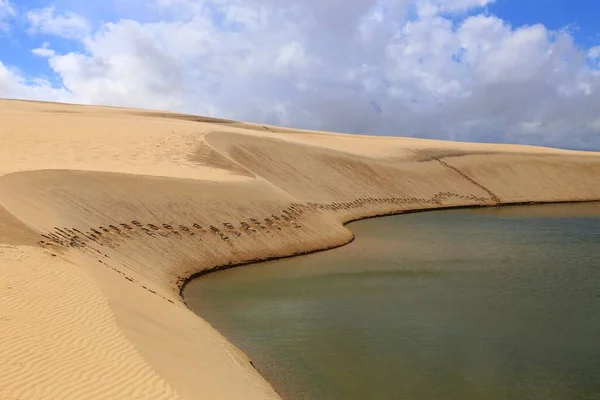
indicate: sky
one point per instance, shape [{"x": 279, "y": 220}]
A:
[{"x": 518, "y": 71}]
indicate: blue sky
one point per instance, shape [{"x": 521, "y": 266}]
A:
[
  {"x": 581, "y": 16},
  {"x": 524, "y": 71}
]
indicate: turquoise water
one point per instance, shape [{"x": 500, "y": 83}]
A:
[{"x": 470, "y": 304}]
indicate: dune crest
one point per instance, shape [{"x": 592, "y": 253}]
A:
[{"x": 106, "y": 213}]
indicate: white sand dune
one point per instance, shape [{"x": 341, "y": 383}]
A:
[{"x": 106, "y": 212}]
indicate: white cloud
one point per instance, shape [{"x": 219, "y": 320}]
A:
[
  {"x": 124, "y": 66},
  {"x": 369, "y": 69},
  {"x": 291, "y": 55},
  {"x": 14, "y": 85},
  {"x": 68, "y": 25},
  {"x": 430, "y": 8},
  {"x": 517, "y": 56},
  {"x": 44, "y": 51},
  {"x": 7, "y": 11},
  {"x": 461, "y": 5}
]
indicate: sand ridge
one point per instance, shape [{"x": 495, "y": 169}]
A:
[{"x": 109, "y": 211}]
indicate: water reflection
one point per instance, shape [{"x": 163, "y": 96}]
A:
[{"x": 487, "y": 304}]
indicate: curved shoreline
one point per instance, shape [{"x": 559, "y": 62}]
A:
[
  {"x": 224, "y": 267},
  {"x": 137, "y": 203},
  {"x": 250, "y": 294}
]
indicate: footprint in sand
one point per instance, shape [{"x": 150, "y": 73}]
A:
[
  {"x": 129, "y": 228},
  {"x": 115, "y": 230},
  {"x": 186, "y": 230},
  {"x": 232, "y": 229},
  {"x": 147, "y": 231},
  {"x": 246, "y": 227},
  {"x": 271, "y": 224},
  {"x": 199, "y": 228}
]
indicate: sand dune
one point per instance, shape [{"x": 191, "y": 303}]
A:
[{"x": 106, "y": 212}]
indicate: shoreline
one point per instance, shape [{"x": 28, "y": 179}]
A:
[
  {"x": 264, "y": 287},
  {"x": 130, "y": 205},
  {"x": 224, "y": 267}
]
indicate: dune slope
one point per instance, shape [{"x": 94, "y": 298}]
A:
[{"x": 106, "y": 212}]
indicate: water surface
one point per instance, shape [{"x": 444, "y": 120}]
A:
[{"x": 497, "y": 303}]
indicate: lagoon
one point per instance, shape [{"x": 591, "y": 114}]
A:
[{"x": 494, "y": 303}]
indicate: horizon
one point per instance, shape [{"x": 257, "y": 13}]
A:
[
  {"x": 490, "y": 71},
  {"x": 156, "y": 110}
]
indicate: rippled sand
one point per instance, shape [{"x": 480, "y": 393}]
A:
[{"x": 106, "y": 212}]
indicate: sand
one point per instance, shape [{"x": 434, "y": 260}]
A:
[{"x": 106, "y": 212}]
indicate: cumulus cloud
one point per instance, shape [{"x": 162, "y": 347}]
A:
[
  {"x": 13, "y": 84},
  {"x": 68, "y": 25},
  {"x": 123, "y": 66},
  {"x": 344, "y": 65}
]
